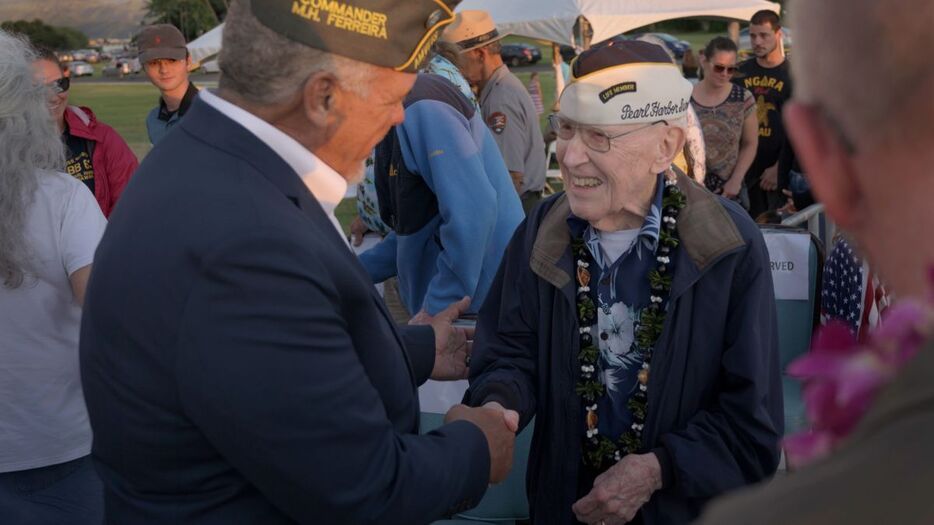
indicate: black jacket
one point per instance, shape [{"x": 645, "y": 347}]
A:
[
  {"x": 239, "y": 367},
  {"x": 715, "y": 399}
]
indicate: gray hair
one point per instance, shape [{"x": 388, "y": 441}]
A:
[
  {"x": 29, "y": 146},
  {"x": 264, "y": 67},
  {"x": 868, "y": 64}
]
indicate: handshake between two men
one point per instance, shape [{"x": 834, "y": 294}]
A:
[{"x": 453, "y": 346}]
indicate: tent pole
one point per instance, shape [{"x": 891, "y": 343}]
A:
[
  {"x": 732, "y": 29},
  {"x": 559, "y": 74}
]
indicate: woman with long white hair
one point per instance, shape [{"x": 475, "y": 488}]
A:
[{"x": 50, "y": 225}]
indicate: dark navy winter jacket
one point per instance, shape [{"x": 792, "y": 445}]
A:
[{"x": 715, "y": 400}]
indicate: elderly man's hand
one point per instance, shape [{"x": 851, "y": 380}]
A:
[
  {"x": 452, "y": 344},
  {"x": 621, "y": 491},
  {"x": 769, "y": 179}
]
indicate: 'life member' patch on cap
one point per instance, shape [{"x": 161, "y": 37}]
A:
[
  {"x": 628, "y": 82},
  {"x": 624, "y": 87},
  {"x": 397, "y": 34}
]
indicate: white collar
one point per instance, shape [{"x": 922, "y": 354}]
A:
[{"x": 327, "y": 186}]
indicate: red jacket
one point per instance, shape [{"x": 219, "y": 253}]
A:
[{"x": 113, "y": 160}]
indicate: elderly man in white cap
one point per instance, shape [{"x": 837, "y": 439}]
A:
[{"x": 633, "y": 315}]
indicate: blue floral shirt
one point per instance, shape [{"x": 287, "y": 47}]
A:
[{"x": 621, "y": 291}]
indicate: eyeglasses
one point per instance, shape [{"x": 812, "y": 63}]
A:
[
  {"x": 59, "y": 85},
  {"x": 592, "y": 137},
  {"x": 720, "y": 69}
]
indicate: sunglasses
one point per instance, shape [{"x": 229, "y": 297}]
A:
[
  {"x": 60, "y": 85},
  {"x": 720, "y": 69}
]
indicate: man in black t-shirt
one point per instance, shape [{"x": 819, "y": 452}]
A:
[{"x": 767, "y": 77}]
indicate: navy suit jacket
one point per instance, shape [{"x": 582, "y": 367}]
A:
[{"x": 239, "y": 367}]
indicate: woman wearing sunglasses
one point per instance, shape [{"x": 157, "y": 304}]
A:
[
  {"x": 95, "y": 153},
  {"x": 727, "y": 113}
]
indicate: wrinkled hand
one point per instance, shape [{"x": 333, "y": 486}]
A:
[
  {"x": 769, "y": 179},
  {"x": 499, "y": 438},
  {"x": 510, "y": 417},
  {"x": 452, "y": 344},
  {"x": 357, "y": 230},
  {"x": 621, "y": 491},
  {"x": 732, "y": 187},
  {"x": 422, "y": 317}
]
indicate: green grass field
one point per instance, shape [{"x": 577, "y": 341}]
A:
[
  {"x": 122, "y": 106},
  {"x": 125, "y": 105}
]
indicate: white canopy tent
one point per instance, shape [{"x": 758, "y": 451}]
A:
[
  {"x": 206, "y": 45},
  {"x": 554, "y": 20}
]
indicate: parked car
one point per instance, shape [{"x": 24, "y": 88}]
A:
[
  {"x": 745, "y": 45},
  {"x": 81, "y": 69},
  {"x": 675, "y": 45},
  {"x": 520, "y": 54},
  {"x": 127, "y": 66}
]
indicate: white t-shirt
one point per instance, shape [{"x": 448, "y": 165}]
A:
[
  {"x": 43, "y": 419},
  {"x": 615, "y": 244}
]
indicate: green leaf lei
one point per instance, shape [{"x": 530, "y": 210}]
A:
[{"x": 600, "y": 451}]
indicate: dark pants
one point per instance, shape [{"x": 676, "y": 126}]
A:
[
  {"x": 530, "y": 200},
  {"x": 761, "y": 201},
  {"x": 68, "y": 493}
]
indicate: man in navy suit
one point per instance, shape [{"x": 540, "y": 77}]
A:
[{"x": 237, "y": 364}]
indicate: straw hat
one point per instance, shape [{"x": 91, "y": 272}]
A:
[{"x": 472, "y": 29}]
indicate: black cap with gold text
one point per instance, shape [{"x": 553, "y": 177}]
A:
[{"x": 397, "y": 34}]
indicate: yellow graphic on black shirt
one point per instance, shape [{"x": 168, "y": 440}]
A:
[
  {"x": 764, "y": 82},
  {"x": 343, "y": 16},
  {"x": 762, "y": 114},
  {"x": 80, "y": 167},
  {"x": 759, "y": 85}
]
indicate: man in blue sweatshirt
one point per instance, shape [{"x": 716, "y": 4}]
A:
[{"x": 445, "y": 191}]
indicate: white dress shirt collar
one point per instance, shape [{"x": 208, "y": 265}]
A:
[{"x": 328, "y": 186}]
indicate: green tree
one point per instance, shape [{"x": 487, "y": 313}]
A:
[
  {"x": 44, "y": 35},
  {"x": 191, "y": 17}
]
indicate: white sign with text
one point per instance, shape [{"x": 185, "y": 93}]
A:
[{"x": 788, "y": 258}]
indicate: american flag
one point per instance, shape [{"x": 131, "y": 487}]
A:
[{"x": 851, "y": 292}]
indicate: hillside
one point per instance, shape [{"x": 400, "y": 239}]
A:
[{"x": 96, "y": 18}]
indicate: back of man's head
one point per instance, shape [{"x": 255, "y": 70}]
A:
[
  {"x": 263, "y": 67},
  {"x": 862, "y": 123},
  {"x": 868, "y": 64}
]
